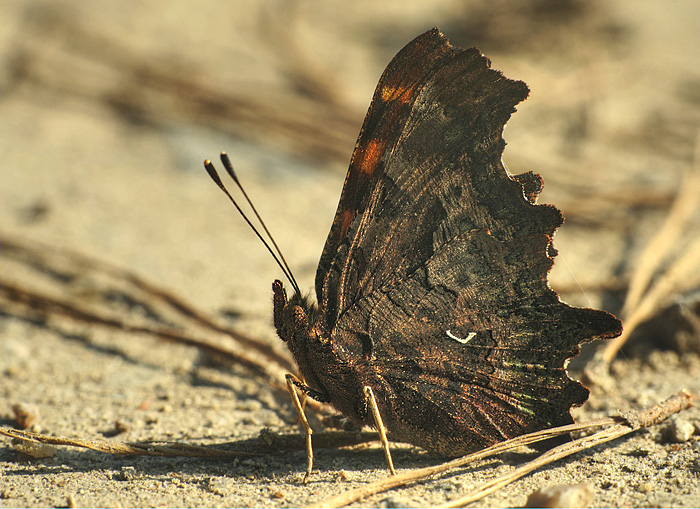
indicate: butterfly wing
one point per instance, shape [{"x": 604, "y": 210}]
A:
[
  {"x": 427, "y": 165},
  {"x": 434, "y": 274},
  {"x": 470, "y": 348}
]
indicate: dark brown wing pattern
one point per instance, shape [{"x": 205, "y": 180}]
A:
[{"x": 433, "y": 281}]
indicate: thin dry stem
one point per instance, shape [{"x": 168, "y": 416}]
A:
[
  {"x": 676, "y": 279},
  {"x": 621, "y": 425},
  {"x": 27, "y": 303},
  {"x": 121, "y": 448},
  {"x": 50, "y": 259},
  {"x": 267, "y": 443},
  {"x": 657, "y": 413},
  {"x": 307, "y": 125},
  {"x": 549, "y": 457},
  {"x": 641, "y": 300},
  {"x": 423, "y": 473},
  {"x": 681, "y": 211}
]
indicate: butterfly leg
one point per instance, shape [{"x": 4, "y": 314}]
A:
[
  {"x": 369, "y": 394},
  {"x": 293, "y": 381}
]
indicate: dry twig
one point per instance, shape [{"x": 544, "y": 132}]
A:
[
  {"x": 621, "y": 425},
  {"x": 266, "y": 443},
  {"x": 56, "y": 266},
  {"x": 163, "y": 90},
  {"x": 643, "y": 299},
  {"x": 634, "y": 421}
]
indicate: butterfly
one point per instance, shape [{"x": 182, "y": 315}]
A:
[{"x": 432, "y": 286}]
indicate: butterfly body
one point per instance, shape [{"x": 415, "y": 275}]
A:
[
  {"x": 432, "y": 287},
  {"x": 330, "y": 374}
]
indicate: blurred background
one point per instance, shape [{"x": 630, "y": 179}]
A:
[{"x": 107, "y": 110}]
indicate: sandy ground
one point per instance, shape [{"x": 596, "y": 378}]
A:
[{"x": 107, "y": 111}]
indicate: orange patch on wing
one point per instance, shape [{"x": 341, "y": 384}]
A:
[
  {"x": 370, "y": 156},
  {"x": 345, "y": 221},
  {"x": 398, "y": 93}
]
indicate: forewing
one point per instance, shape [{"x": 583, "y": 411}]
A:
[
  {"x": 426, "y": 168},
  {"x": 388, "y": 112}
]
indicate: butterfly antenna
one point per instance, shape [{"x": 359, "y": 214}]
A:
[{"x": 229, "y": 168}]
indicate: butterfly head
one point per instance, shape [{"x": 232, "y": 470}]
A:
[{"x": 291, "y": 316}]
